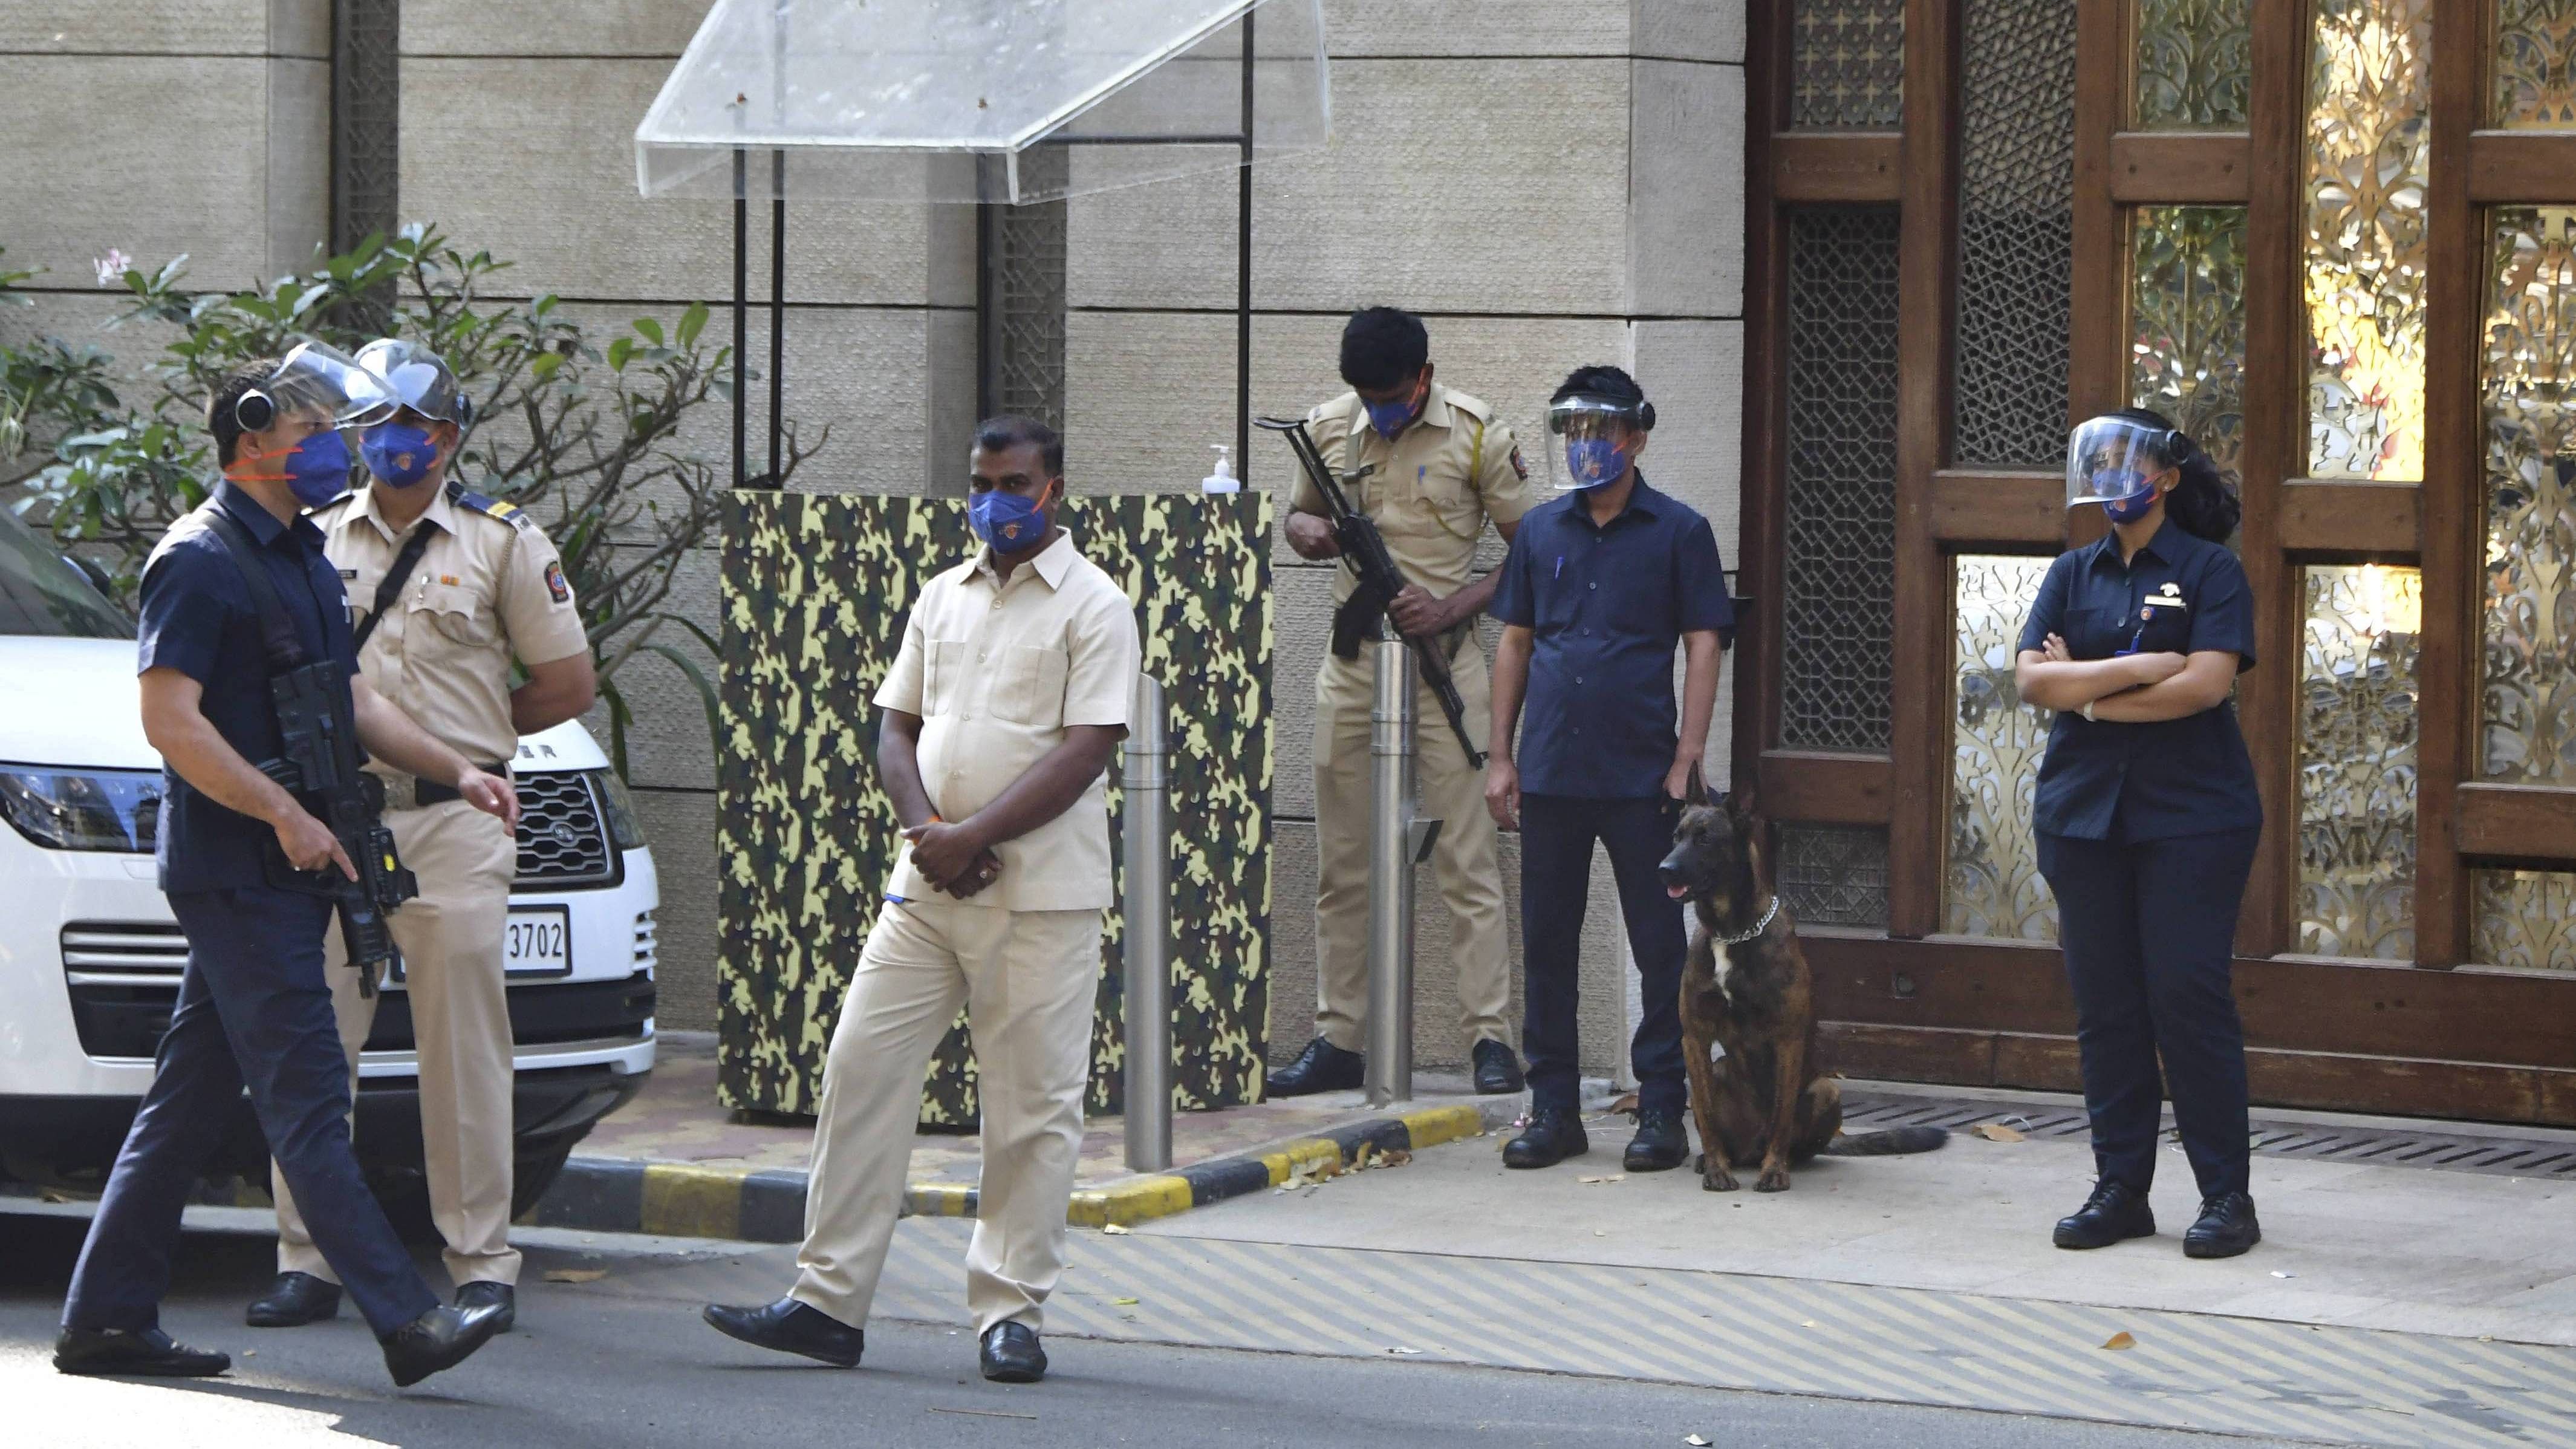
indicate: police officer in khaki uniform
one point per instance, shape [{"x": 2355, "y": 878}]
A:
[
  {"x": 998, "y": 719},
  {"x": 448, "y": 588},
  {"x": 1441, "y": 468}
]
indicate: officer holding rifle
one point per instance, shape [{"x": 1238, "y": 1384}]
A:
[
  {"x": 250, "y": 693},
  {"x": 1438, "y": 468}
]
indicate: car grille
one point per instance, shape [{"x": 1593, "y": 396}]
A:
[{"x": 562, "y": 840}]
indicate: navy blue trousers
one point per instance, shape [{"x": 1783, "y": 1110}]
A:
[
  {"x": 2149, "y": 929},
  {"x": 1557, "y": 836},
  {"x": 253, "y": 1011}
]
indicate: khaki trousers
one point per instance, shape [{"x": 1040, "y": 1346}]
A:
[
  {"x": 1467, "y": 857},
  {"x": 450, "y": 938},
  {"x": 1028, "y": 979}
]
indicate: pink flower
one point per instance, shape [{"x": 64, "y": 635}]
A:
[{"x": 113, "y": 267}]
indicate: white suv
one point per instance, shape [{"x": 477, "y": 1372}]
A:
[{"x": 90, "y": 957}]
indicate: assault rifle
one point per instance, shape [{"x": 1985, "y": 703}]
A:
[
  {"x": 320, "y": 767},
  {"x": 1364, "y": 550}
]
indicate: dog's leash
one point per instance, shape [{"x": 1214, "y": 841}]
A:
[{"x": 1758, "y": 927}]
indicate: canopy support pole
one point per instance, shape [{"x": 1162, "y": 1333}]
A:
[
  {"x": 1243, "y": 275},
  {"x": 777, "y": 307},
  {"x": 741, "y": 286}
]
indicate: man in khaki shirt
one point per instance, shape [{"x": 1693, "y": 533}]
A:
[
  {"x": 448, "y": 587},
  {"x": 1441, "y": 469},
  {"x": 1003, "y": 705}
]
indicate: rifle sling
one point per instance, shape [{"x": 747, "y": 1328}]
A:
[
  {"x": 390, "y": 588},
  {"x": 276, "y": 626}
]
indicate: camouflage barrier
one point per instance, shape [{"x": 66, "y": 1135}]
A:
[{"x": 816, "y": 590}]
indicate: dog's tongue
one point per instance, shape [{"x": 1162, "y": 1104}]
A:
[{"x": 1677, "y": 892}]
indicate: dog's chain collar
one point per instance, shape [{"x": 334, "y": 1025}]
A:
[{"x": 1759, "y": 926}]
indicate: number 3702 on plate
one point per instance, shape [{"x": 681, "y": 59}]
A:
[{"x": 538, "y": 942}]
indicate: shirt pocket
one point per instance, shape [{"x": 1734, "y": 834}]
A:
[
  {"x": 2164, "y": 628},
  {"x": 458, "y": 619},
  {"x": 1029, "y": 689},
  {"x": 2095, "y": 633}
]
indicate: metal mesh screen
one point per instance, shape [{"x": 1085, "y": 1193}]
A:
[
  {"x": 366, "y": 114},
  {"x": 2016, "y": 231},
  {"x": 1839, "y": 584},
  {"x": 1847, "y": 65},
  {"x": 1834, "y": 875},
  {"x": 1023, "y": 296}
]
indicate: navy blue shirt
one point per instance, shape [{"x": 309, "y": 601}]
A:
[
  {"x": 1607, "y": 603},
  {"x": 198, "y": 618},
  {"x": 2104, "y": 780}
]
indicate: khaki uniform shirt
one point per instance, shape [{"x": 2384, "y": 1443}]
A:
[
  {"x": 488, "y": 587},
  {"x": 998, "y": 671},
  {"x": 1434, "y": 487}
]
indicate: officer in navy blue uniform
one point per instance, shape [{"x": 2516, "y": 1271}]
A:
[
  {"x": 1603, "y": 582},
  {"x": 2147, "y": 816},
  {"x": 254, "y": 1010}
]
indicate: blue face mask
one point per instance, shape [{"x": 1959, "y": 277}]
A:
[
  {"x": 398, "y": 453},
  {"x": 1391, "y": 418},
  {"x": 2131, "y": 508},
  {"x": 1006, "y": 522},
  {"x": 317, "y": 471},
  {"x": 1592, "y": 462}
]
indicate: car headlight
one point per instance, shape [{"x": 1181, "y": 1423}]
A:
[
  {"x": 118, "y": 810},
  {"x": 625, "y": 827}
]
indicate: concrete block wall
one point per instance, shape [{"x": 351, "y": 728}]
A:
[{"x": 1549, "y": 183}]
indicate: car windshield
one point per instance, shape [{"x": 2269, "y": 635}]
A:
[{"x": 41, "y": 593}]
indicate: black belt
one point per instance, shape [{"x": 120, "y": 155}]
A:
[{"x": 430, "y": 792}]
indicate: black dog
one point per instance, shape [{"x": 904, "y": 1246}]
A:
[{"x": 1749, "y": 1013}]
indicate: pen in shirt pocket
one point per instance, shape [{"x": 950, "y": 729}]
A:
[{"x": 1560, "y": 567}]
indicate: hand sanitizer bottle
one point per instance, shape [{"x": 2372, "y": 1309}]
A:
[{"x": 1223, "y": 479}]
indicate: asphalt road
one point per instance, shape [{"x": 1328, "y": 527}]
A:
[{"x": 612, "y": 1363}]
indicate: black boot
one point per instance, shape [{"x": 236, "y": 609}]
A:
[
  {"x": 1498, "y": 1072},
  {"x": 1321, "y": 1067},
  {"x": 436, "y": 1341},
  {"x": 1553, "y": 1135},
  {"x": 2114, "y": 1213},
  {"x": 1011, "y": 1354},
  {"x": 294, "y": 1300},
  {"x": 2226, "y": 1227},
  {"x": 484, "y": 1294},
  {"x": 1660, "y": 1144},
  {"x": 792, "y": 1327},
  {"x": 140, "y": 1353}
]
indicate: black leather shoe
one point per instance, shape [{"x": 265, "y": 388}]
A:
[
  {"x": 440, "y": 1339},
  {"x": 141, "y": 1353},
  {"x": 294, "y": 1300},
  {"x": 2114, "y": 1213},
  {"x": 1552, "y": 1136},
  {"x": 1498, "y": 1072},
  {"x": 482, "y": 1294},
  {"x": 1660, "y": 1144},
  {"x": 792, "y": 1327},
  {"x": 1011, "y": 1354},
  {"x": 1321, "y": 1067},
  {"x": 2226, "y": 1228}
]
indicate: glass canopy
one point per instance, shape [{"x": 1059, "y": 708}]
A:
[{"x": 982, "y": 100}]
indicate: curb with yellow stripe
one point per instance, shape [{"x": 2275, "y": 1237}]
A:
[{"x": 611, "y": 1195}]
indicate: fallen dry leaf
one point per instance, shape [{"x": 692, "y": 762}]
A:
[
  {"x": 2120, "y": 1339},
  {"x": 1122, "y": 1302},
  {"x": 575, "y": 1275},
  {"x": 1613, "y": 1177},
  {"x": 1996, "y": 1132},
  {"x": 1404, "y": 1350},
  {"x": 1115, "y": 1228},
  {"x": 1695, "y": 1439}
]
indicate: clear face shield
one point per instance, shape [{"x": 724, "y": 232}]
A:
[
  {"x": 1595, "y": 440},
  {"x": 2116, "y": 462},
  {"x": 420, "y": 379},
  {"x": 319, "y": 378}
]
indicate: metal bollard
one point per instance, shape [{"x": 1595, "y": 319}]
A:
[
  {"x": 1147, "y": 905},
  {"x": 1397, "y": 843}
]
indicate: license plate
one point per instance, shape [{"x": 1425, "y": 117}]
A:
[{"x": 538, "y": 942}]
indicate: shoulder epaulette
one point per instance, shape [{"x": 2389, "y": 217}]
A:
[
  {"x": 509, "y": 513},
  {"x": 1472, "y": 406}
]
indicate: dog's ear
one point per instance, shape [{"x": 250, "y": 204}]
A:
[
  {"x": 1698, "y": 788},
  {"x": 1741, "y": 806}
]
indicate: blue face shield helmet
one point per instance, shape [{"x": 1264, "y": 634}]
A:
[
  {"x": 1594, "y": 440},
  {"x": 2115, "y": 462}
]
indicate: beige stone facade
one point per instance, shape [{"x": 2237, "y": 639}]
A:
[{"x": 1568, "y": 189}]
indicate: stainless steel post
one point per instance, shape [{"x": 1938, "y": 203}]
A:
[
  {"x": 1391, "y": 857},
  {"x": 1147, "y": 905}
]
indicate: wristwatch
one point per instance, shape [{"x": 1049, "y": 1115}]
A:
[{"x": 2087, "y": 710}]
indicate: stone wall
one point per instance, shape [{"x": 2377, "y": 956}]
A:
[{"x": 1549, "y": 182}]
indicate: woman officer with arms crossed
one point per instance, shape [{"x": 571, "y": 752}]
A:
[{"x": 2147, "y": 818}]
